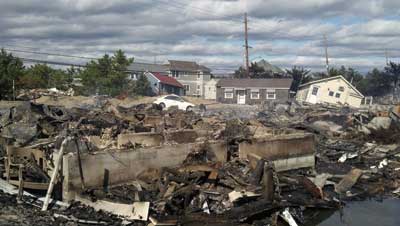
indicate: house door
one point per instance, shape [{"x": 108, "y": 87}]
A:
[
  {"x": 314, "y": 95},
  {"x": 241, "y": 96}
]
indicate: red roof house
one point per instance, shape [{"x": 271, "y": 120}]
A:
[{"x": 163, "y": 84}]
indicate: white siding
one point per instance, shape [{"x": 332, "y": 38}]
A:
[
  {"x": 342, "y": 92},
  {"x": 210, "y": 89}
]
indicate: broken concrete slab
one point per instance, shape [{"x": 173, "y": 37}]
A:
[
  {"x": 142, "y": 139},
  {"x": 287, "y": 152},
  {"x": 126, "y": 165}
]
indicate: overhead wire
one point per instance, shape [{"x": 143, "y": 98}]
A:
[{"x": 173, "y": 4}]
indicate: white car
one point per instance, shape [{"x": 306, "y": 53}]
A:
[{"x": 173, "y": 100}]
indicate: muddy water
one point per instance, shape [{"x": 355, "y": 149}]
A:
[{"x": 365, "y": 213}]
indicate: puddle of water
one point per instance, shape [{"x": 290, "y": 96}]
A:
[{"x": 365, "y": 213}]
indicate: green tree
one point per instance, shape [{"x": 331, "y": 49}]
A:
[
  {"x": 107, "y": 75},
  {"x": 44, "y": 77},
  {"x": 36, "y": 76},
  {"x": 393, "y": 71},
  {"x": 299, "y": 76},
  {"x": 375, "y": 83},
  {"x": 11, "y": 68},
  {"x": 240, "y": 73},
  {"x": 142, "y": 86},
  {"x": 255, "y": 71}
]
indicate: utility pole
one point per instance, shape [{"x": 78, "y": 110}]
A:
[
  {"x": 13, "y": 88},
  {"x": 326, "y": 55},
  {"x": 387, "y": 57},
  {"x": 246, "y": 46}
]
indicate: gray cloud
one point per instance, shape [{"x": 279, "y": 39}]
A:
[{"x": 286, "y": 32}]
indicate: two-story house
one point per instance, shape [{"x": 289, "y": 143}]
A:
[
  {"x": 136, "y": 69},
  {"x": 191, "y": 75}
]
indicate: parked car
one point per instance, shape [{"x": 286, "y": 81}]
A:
[{"x": 168, "y": 101}]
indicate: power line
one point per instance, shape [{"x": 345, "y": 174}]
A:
[
  {"x": 182, "y": 6},
  {"x": 59, "y": 55},
  {"x": 50, "y": 62},
  {"x": 60, "y": 63},
  {"x": 49, "y": 54}
]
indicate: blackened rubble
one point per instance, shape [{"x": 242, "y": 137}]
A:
[{"x": 356, "y": 157}]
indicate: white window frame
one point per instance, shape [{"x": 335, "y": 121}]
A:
[
  {"x": 198, "y": 89},
  {"x": 255, "y": 92},
  {"x": 228, "y": 95},
  {"x": 188, "y": 87},
  {"x": 270, "y": 92}
]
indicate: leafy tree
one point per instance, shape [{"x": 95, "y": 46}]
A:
[
  {"x": 299, "y": 75},
  {"x": 142, "y": 86},
  {"x": 393, "y": 71},
  {"x": 11, "y": 68},
  {"x": 334, "y": 72},
  {"x": 255, "y": 71},
  {"x": 240, "y": 73},
  {"x": 107, "y": 75},
  {"x": 376, "y": 83},
  {"x": 318, "y": 75},
  {"x": 36, "y": 76},
  {"x": 43, "y": 76}
]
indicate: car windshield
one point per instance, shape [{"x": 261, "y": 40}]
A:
[{"x": 173, "y": 98}]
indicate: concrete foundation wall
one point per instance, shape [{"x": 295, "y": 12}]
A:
[
  {"x": 286, "y": 151},
  {"x": 157, "y": 139},
  {"x": 145, "y": 139},
  {"x": 294, "y": 163},
  {"x": 125, "y": 166}
]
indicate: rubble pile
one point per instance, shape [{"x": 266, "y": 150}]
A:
[
  {"x": 356, "y": 156},
  {"x": 33, "y": 94}
]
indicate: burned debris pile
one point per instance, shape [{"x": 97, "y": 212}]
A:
[{"x": 142, "y": 165}]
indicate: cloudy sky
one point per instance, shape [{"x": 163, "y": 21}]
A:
[{"x": 284, "y": 32}]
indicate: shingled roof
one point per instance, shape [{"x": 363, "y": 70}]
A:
[
  {"x": 177, "y": 65},
  {"x": 145, "y": 67},
  {"x": 165, "y": 79},
  {"x": 283, "y": 83}
]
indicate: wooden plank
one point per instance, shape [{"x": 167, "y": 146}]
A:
[{"x": 31, "y": 185}]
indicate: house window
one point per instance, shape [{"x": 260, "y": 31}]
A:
[
  {"x": 255, "y": 94},
  {"x": 341, "y": 88},
  {"x": 228, "y": 93},
  {"x": 175, "y": 74},
  {"x": 337, "y": 95},
  {"x": 198, "y": 76},
  {"x": 271, "y": 95},
  {"x": 314, "y": 91},
  {"x": 331, "y": 93},
  {"x": 198, "y": 89},
  {"x": 186, "y": 87}
]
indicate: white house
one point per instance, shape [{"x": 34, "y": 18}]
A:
[
  {"x": 192, "y": 75},
  {"x": 210, "y": 89},
  {"x": 333, "y": 90}
]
